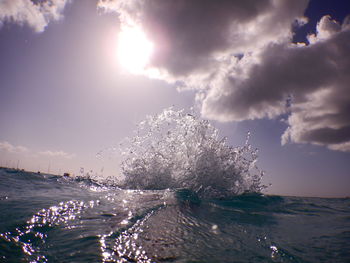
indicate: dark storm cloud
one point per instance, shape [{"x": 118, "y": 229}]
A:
[
  {"x": 328, "y": 135},
  {"x": 239, "y": 57},
  {"x": 188, "y": 31}
]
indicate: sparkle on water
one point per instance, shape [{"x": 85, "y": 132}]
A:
[{"x": 174, "y": 150}]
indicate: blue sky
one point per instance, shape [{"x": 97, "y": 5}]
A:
[{"x": 65, "y": 96}]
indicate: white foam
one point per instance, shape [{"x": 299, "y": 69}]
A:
[{"x": 178, "y": 150}]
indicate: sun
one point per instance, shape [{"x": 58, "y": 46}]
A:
[{"x": 134, "y": 49}]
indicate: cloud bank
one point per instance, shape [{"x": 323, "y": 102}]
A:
[
  {"x": 36, "y": 14},
  {"x": 60, "y": 154},
  {"x": 239, "y": 57},
  {"x": 8, "y": 147}
]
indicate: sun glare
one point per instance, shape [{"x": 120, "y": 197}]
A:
[{"x": 134, "y": 49}]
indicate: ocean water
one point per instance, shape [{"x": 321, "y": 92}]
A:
[
  {"x": 47, "y": 218},
  {"x": 183, "y": 195}
]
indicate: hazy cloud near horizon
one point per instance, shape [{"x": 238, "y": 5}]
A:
[
  {"x": 58, "y": 154},
  {"x": 10, "y": 148},
  {"x": 36, "y": 14},
  {"x": 239, "y": 57}
]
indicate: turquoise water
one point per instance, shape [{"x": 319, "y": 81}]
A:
[{"x": 47, "y": 218}]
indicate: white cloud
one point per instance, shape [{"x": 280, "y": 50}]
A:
[
  {"x": 316, "y": 77},
  {"x": 36, "y": 14},
  {"x": 343, "y": 147},
  {"x": 8, "y": 147},
  {"x": 239, "y": 57},
  {"x": 60, "y": 154},
  {"x": 325, "y": 28}
]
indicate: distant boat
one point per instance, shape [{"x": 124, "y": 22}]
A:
[{"x": 66, "y": 174}]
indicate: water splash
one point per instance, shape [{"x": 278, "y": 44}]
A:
[{"x": 175, "y": 149}]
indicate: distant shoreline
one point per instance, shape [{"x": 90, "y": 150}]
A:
[{"x": 69, "y": 175}]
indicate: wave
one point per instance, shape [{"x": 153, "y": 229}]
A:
[
  {"x": 175, "y": 149},
  {"x": 49, "y": 218}
]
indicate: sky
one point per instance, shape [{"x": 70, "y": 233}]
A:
[{"x": 77, "y": 76}]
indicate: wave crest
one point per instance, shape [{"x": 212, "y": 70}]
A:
[{"x": 178, "y": 150}]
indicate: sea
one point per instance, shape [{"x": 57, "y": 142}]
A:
[
  {"x": 48, "y": 218},
  {"x": 184, "y": 196}
]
